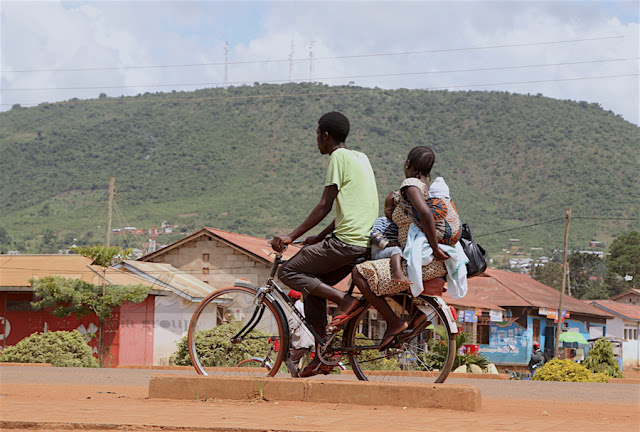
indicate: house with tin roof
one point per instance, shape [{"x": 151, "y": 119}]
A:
[
  {"x": 506, "y": 311},
  {"x": 624, "y": 324},
  {"x": 514, "y": 310},
  {"x": 136, "y": 334}
]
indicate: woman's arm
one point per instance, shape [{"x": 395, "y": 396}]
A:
[{"x": 414, "y": 195}]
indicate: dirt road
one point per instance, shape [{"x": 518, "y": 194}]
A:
[{"x": 65, "y": 399}]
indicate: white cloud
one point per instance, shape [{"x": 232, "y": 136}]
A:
[{"x": 50, "y": 35}]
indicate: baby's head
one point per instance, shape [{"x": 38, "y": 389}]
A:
[{"x": 389, "y": 205}]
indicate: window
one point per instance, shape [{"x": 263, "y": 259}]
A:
[
  {"x": 205, "y": 257},
  {"x": 626, "y": 334},
  {"x": 205, "y": 270}
]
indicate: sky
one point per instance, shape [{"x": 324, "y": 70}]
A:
[{"x": 54, "y": 51}]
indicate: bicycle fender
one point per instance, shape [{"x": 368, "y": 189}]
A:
[
  {"x": 286, "y": 337},
  {"x": 245, "y": 284},
  {"x": 447, "y": 313}
]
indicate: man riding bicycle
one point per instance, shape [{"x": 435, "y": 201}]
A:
[{"x": 329, "y": 256}]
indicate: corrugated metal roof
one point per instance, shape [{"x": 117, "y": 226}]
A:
[
  {"x": 16, "y": 270},
  {"x": 628, "y": 311},
  {"x": 168, "y": 278},
  {"x": 508, "y": 289}
]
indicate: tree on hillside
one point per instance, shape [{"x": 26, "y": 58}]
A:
[
  {"x": 549, "y": 274},
  {"x": 73, "y": 296},
  {"x": 623, "y": 263},
  {"x": 585, "y": 276},
  {"x": 5, "y": 240}
]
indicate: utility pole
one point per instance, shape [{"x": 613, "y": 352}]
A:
[
  {"x": 226, "y": 60},
  {"x": 564, "y": 283},
  {"x": 107, "y": 241},
  {"x": 291, "y": 53},
  {"x": 311, "y": 60}
]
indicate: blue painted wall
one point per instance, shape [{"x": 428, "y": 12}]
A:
[
  {"x": 507, "y": 344},
  {"x": 510, "y": 343}
]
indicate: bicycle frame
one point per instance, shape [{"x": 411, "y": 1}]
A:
[
  {"x": 278, "y": 296},
  {"x": 269, "y": 288}
]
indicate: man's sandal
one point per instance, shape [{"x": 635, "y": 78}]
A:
[
  {"x": 312, "y": 370},
  {"x": 339, "y": 320}
]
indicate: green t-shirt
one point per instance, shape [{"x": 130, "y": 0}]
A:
[{"x": 357, "y": 200}]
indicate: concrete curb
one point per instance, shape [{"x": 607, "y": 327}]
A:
[
  {"x": 411, "y": 395},
  {"x": 27, "y": 364},
  {"x": 337, "y": 371},
  {"x": 60, "y": 426}
]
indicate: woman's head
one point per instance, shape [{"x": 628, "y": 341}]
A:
[{"x": 419, "y": 161}]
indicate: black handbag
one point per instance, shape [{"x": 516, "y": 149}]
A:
[{"x": 477, "y": 256}]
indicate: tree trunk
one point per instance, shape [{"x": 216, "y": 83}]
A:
[{"x": 101, "y": 344}]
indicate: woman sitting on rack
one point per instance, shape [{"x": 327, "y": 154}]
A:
[{"x": 428, "y": 231}]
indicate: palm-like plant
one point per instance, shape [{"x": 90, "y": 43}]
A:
[{"x": 436, "y": 355}]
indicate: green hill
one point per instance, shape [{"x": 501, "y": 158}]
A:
[{"x": 245, "y": 159}]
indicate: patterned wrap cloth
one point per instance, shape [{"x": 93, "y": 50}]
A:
[{"x": 448, "y": 230}]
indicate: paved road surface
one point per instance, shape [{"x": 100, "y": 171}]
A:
[{"x": 65, "y": 399}]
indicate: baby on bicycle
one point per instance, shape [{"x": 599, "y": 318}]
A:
[{"x": 384, "y": 241}]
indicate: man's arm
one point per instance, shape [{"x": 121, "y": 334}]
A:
[
  {"x": 320, "y": 211},
  {"x": 319, "y": 237}
]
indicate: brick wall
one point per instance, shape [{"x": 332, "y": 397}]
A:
[{"x": 214, "y": 262}]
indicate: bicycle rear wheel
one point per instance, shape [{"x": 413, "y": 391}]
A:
[
  {"x": 423, "y": 354},
  {"x": 230, "y": 326},
  {"x": 254, "y": 363}
]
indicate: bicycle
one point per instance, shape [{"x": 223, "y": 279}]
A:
[
  {"x": 267, "y": 362},
  {"x": 424, "y": 353}
]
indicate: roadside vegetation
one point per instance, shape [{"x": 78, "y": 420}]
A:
[{"x": 59, "y": 348}]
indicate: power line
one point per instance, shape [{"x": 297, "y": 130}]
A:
[
  {"x": 555, "y": 220},
  {"x": 522, "y": 227},
  {"x": 604, "y": 218},
  {"x": 327, "y": 93},
  {"x": 325, "y": 78},
  {"x": 317, "y": 58}
]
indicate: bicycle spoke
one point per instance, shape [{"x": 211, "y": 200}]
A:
[
  {"x": 413, "y": 357},
  {"x": 229, "y": 328}
]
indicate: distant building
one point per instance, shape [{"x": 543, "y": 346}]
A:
[
  {"x": 523, "y": 265},
  {"x": 594, "y": 244},
  {"x": 596, "y": 253},
  {"x": 625, "y": 324}
]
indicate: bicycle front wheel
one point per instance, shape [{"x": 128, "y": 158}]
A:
[
  {"x": 230, "y": 326},
  {"x": 424, "y": 354}
]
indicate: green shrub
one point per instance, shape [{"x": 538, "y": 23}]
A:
[
  {"x": 567, "y": 370},
  {"x": 214, "y": 347},
  {"x": 435, "y": 357},
  {"x": 370, "y": 359},
  {"x": 601, "y": 359},
  {"x": 60, "y": 348}
]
